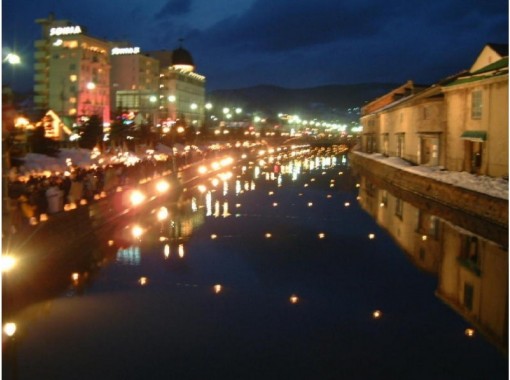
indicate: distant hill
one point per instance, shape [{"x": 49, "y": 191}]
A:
[{"x": 327, "y": 102}]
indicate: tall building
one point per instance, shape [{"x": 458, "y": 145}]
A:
[
  {"x": 134, "y": 81},
  {"x": 72, "y": 70}
]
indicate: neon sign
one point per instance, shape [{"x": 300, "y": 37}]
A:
[
  {"x": 127, "y": 50},
  {"x": 65, "y": 30}
]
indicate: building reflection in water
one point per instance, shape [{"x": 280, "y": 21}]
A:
[{"x": 472, "y": 269}]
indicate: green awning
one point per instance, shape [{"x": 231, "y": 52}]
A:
[{"x": 477, "y": 136}]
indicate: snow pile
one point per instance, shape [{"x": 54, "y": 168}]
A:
[
  {"x": 39, "y": 162},
  {"x": 496, "y": 187}
]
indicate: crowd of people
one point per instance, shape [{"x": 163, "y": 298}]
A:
[{"x": 33, "y": 198}]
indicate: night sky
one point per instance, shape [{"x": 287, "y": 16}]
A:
[{"x": 290, "y": 43}]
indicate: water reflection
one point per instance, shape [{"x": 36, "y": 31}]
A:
[{"x": 469, "y": 259}]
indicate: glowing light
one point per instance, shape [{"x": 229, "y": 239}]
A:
[
  {"x": 91, "y": 85},
  {"x": 371, "y": 236},
  {"x": 268, "y": 235},
  {"x": 166, "y": 251},
  {"x": 347, "y": 204},
  {"x": 137, "y": 231},
  {"x": 162, "y": 214},
  {"x": 75, "y": 276},
  {"x": 469, "y": 332},
  {"x": 294, "y": 299},
  {"x": 357, "y": 185},
  {"x": 10, "y": 329},
  {"x": 202, "y": 169},
  {"x": 275, "y": 204},
  {"x": 43, "y": 218},
  {"x": 143, "y": 281},
  {"x": 202, "y": 188},
  {"x": 12, "y": 59},
  {"x": 424, "y": 237},
  {"x": 270, "y": 193},
  {"x": 214, "y": 236},
  {"x": 110, "y": 243},
  {"x": 376, "y": 314},
  {"x": 180, "y": 249},
  {"x": 328, "y": 196},
  {"x": 83, "y": 202},
  {"x": 310, "y": 204},
  {"x": 162, "y": 186},
  {"x": 217, "y": 288},
  {"x": 322, "y": 235},
  {"x": 137, "y": 197},
  {"x": 7, "y": 262}
]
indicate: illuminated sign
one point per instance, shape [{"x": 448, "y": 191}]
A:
[
  {"x": 126, "y": 50},
  {"x": 65, "y": 30}
]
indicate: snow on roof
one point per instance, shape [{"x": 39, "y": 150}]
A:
[{"x": 496, "y": 187}]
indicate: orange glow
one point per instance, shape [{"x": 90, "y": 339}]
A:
[
  {"x": 294, "y": 299},
  {"x": 376, "y": 314}
]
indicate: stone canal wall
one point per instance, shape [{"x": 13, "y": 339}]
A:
[{"x": 492, "y": 209}]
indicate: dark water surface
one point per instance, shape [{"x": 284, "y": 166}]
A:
[{"x": 152, "y": 310}]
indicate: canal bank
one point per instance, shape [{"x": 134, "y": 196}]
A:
[
  {"x": 468, "y": 252},
  {"x": 490, "y": 208}
]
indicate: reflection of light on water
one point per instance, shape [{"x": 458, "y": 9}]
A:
[
  {"x": 238, "y": 187},
  {"x": 252, "y": 185},
  {"x": 279, "y": 181},
  {"x": 180, "y": 250},
  {"x": 194, "y": 206},
  {"x": 216, "y": 209},
  {"x": 225, "y": 188},
  {"x": 256, "y": 172},
  {"x": 225, "y": 210},
  {"x": 208, "y": 204},
  {"x": 129, "y": 256},
  {"x": 166, "y": 251}
]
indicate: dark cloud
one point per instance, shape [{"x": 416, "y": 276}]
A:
[
  {"x": 277, "y": 26},
  {"x": 174, "y": 8}
]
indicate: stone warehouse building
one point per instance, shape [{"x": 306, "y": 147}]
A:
[{"x": 459, "y": 123}]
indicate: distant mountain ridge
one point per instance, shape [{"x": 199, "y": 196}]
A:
[{"x": 327, "y": 102}]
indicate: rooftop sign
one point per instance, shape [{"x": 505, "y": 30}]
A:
[
  {"x": 126, "y": 50},
  {"x": 65, "y": 30}
]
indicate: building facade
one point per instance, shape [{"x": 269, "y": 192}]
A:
[
  {"x": 134, "y": 82},
  {"x": 460, "y": 123},
  {"x": 77, "y": 75},
  {"x": 72, "y": 71}
]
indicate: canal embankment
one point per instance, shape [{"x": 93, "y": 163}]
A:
[{"x": 490, "y": 208}]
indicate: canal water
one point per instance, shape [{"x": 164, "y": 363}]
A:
[{"x": 269, "y": 272}]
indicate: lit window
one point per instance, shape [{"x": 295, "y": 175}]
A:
[
  {"x": 72, "y": 111},
  {"x": 476, "y": 104},
  {"x": 73, "y": 78},
  {"x": 72, "y": 100}
]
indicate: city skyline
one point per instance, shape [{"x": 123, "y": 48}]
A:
[{"x": 290, "y": 44}]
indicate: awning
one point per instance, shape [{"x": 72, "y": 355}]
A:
[{"x": 476, "y": 136}]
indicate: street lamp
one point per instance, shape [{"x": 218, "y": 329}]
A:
[{"x": 12, "y": 59}]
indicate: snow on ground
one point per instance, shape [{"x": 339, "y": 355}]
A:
[{"x": 496, "y": 187}]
